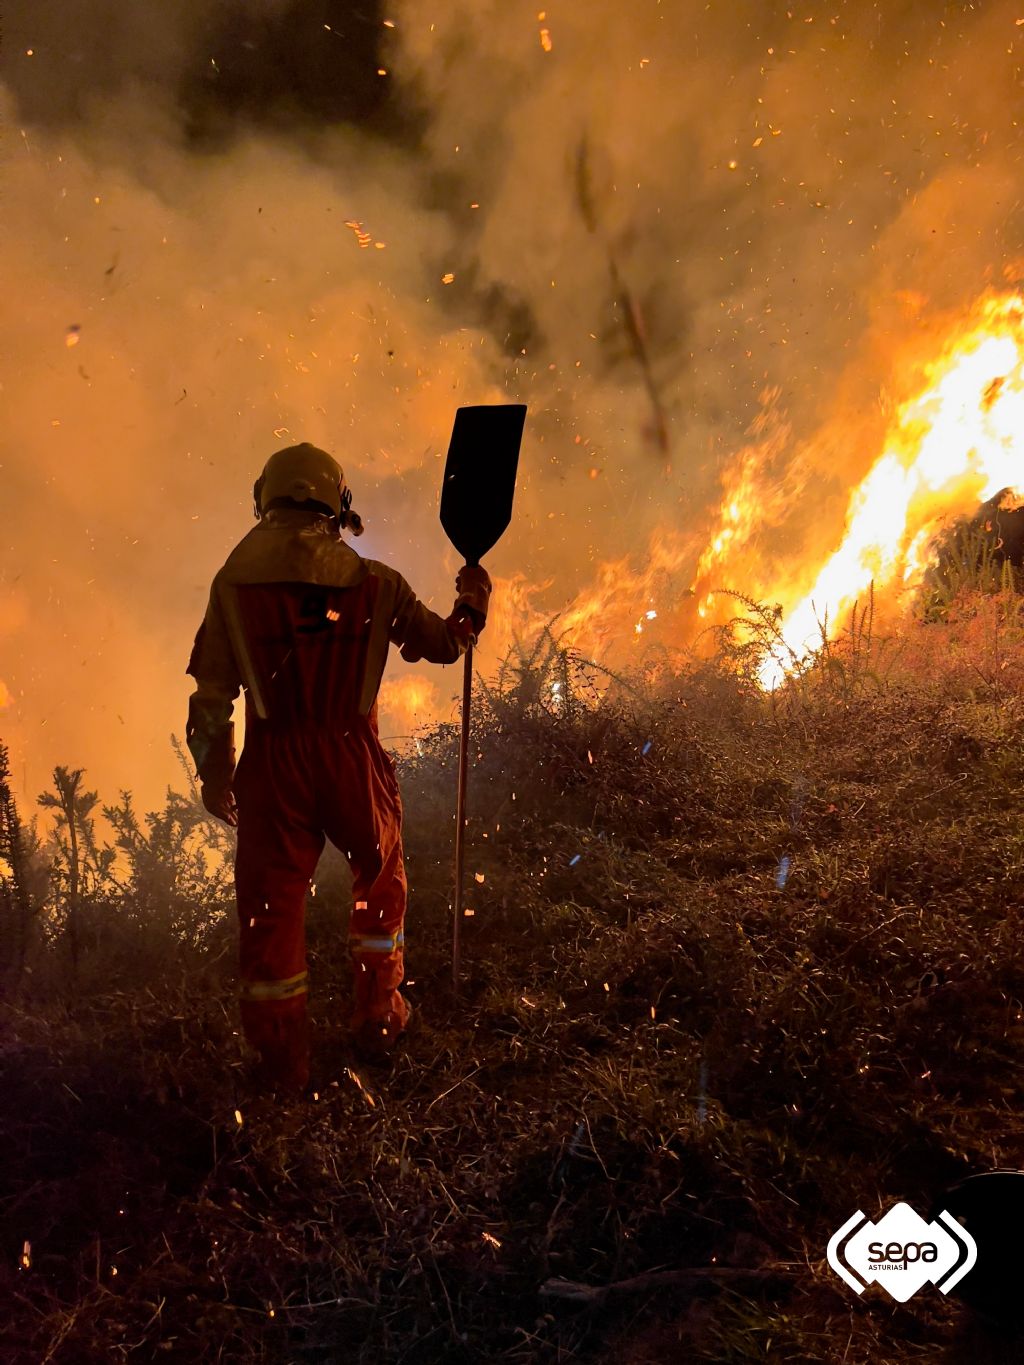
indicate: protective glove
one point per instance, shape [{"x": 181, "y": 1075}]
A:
[
  {"x": 474, "y": 588},
  {"x": 213, "y": 748},
  {"x": 461, "y": 625},
  {"x": 219, "y": 800}
]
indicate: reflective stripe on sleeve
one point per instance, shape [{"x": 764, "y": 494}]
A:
[
  {"x": 236, "y": 634},
  {"x": 274, "y": 990}
]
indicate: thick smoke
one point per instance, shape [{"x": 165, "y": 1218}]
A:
[{"x": 651, "y": 215}]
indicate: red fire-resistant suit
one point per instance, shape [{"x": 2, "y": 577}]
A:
[{"x": 303, "y": 623}]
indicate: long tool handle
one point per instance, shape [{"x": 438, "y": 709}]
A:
[{"x": 460, "y": 817}]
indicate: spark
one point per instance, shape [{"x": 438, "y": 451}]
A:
[
  {"x": 363, "y": 237},
  {"x": 362, "y": 1088}
]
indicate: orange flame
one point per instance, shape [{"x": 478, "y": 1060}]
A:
[
  {"x": 407, "y": 704},
  {"x": 957, "y": 441},
  {"x": 956, "y": 444}
]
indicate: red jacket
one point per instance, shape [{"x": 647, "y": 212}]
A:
[{"x": 303, "y": 623}]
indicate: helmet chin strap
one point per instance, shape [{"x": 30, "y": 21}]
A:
[{"x": 349, "y": 520}]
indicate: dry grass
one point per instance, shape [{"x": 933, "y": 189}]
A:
[{"x": 666, "y": 1055}]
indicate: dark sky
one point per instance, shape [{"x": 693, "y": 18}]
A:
[{"x": 226, "y": 65}]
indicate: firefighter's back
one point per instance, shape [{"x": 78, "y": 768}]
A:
[{"x": 309, "y": 622}]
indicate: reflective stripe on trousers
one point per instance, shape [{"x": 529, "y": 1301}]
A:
[
  {"x": 274, "y": 990},
  {"x": 376, "y": 943}
]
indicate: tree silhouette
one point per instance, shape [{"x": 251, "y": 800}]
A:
[
  {"x": 80, "y": 866},
  {"x": 20, "y": 900}
]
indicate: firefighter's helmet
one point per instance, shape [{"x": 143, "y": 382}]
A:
[{"x": 304, "y": 474}]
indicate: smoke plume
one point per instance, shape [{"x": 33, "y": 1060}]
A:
[{"x": 232, "y": 227}]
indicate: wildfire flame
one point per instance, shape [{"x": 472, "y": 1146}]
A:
[
  {"x": 408, "y": 703},
  {"x": 956, "y": 444}
]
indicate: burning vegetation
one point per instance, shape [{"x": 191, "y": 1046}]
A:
[{"x": 951, "y": 447}]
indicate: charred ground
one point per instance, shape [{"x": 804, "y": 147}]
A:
[{"x": 674, "y": 1049}]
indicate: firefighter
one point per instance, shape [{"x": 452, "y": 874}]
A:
[{"x": 303, "y": 624}]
